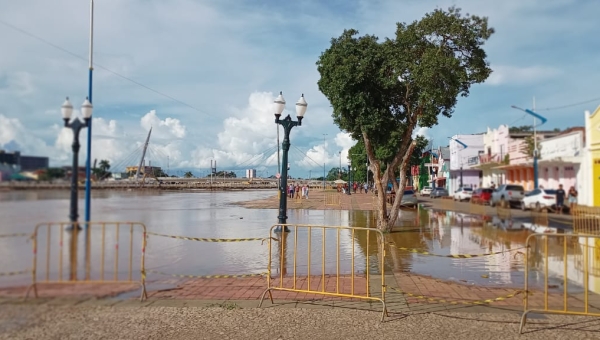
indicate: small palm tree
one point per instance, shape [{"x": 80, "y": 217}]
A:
[{"x": 188, "y": 174}]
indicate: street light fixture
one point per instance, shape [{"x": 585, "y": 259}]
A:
[
  {"x": 287, "y": 124},
  {"x": 76, "y": 125},
  {"x": 535, "y": 149},
  {"x": 340, "y": 168},
  {"x": 461, "y": 160}
]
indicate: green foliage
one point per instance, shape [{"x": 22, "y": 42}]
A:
[
  {"x": 226, "y": 174},
  {"x": 506, "y": 159},
  {"x": 334, "y": 173},
  {"x": 381, "y": 91},
  {"x": 523, "y": 128},
  {"x": 101, "y": 172},
  {"x": 52, "y": 173},
  {"x": 188, "y": 174},
  {"x": 529, "y": 146}
]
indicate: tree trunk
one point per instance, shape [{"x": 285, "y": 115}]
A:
[{"x": 400, "y": 192}]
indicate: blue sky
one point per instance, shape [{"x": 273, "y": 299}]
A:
[{"x": 213, "y": 69}]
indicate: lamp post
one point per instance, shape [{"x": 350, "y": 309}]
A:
[
  {"x": 349, "y": 180},
  {"x": 324, "y": 135},
  {"x": 88, "y": 166},
  {"x": 535, "y": 149},
  {"x": 76, "y": 125},
  {"x": 287, "y": 124},
  {"x": 340, "y": 168}
]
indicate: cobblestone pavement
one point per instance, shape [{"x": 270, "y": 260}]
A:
[{"x": 231, "y": 322}]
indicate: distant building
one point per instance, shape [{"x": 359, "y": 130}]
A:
[
  {"x": 32, "y": 163},
  {"x": 143, "y": 170},
  {"x": 250, "y": 173},
  {"x": 11, "y": 163}
]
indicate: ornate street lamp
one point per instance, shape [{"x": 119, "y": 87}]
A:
[
  {"x": 76, "y": 125},
  {"x": 287, "y": 124}
]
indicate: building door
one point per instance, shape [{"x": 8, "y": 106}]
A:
[{"x": 596, "y": 182}]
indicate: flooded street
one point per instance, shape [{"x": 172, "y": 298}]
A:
[{"x": 214, "y": 215}]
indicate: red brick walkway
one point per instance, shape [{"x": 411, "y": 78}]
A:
[{"x": 252, "y": 288}]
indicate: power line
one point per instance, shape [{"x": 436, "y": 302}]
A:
[
  {"x": 31, "y": 35},
  {"x": 569, "y": 105}
]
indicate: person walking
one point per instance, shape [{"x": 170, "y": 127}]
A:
[
  {"x": 572, "y": 198},
  {"x": 560, "y": 199}
]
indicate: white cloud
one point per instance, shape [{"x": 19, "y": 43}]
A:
[
  {"x": 167, "y": 128},
  {"x": 223, "y": 61},
  {"x": 421, "y": 131},
  {"x": 507, "y": 75}
]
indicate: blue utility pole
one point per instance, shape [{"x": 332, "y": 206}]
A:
[
  {"x": 536, "y": 155},
  {"x": 88, "y": 163}
]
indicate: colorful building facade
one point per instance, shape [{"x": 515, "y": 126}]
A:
[
  {"x": 592, "y": 126},
  {"x": 464, "y": 160},
  {"x": 562, "y": 161}
]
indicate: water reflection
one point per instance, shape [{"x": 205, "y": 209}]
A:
[{"x": 213, "y": 214}]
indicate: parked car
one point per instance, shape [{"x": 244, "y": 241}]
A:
[
  {"x": 409, "y": 199},
  {"x": 539, "y": 199},
  {"x": 482, "y": 196},
  {"x": 463, "y": 194},
  {"x": 439, "y": 192},
  {"x": 426, "y": 191},
  {"x": 507, "y": 195}
]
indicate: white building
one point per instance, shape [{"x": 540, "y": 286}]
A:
[
  {"x": 561, "y": 162},
  {"x": 250, "y": 173},
  {"x": 495, "y": 147},
  {"x": 464, "y": 159}
]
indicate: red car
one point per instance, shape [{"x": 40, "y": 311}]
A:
[{"x": 482, "y": 196}]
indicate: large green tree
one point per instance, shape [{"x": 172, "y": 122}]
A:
[{"x": 381, "y": 91}]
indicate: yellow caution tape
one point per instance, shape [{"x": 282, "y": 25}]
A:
[
  {"x": 479, "y": 302},
  {"x": 15, "y": 235},
  {"x": 207, "y": 276},
  {"x": 15, "y": 273},
  {"x": 458, "y": 256},
  {"x": 202, "y": 239}
]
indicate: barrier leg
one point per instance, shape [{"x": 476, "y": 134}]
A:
[
  {"x": 523, "y": 322},
  {"x": 262, "y": 297},
  {"x": 35, "y": 292},
  {"x": 144, "y": 295}
]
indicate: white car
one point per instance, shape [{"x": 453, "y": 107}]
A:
[
  {"x": 539, "y": 199},
  {"x": 409, "y": 199},
  {"x": 426, "y": 191},
  {"x": 462, "y": 194}
]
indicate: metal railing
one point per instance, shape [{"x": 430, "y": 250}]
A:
[
  {"x": 579, "y": 250},
  {"x": 333, "y": 282},
  {"x": 61, "y": 259},
  {"x": 333, "y": 198},
  {"x": 586, "y": 220}
]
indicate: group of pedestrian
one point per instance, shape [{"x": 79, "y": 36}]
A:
[
  {"x": 560, "y": 198},
  {"x": 356, "y": 187},
  {"x": 298, "y": 191}
]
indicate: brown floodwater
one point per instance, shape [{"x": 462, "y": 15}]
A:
[{"x": 215, "y": 215}]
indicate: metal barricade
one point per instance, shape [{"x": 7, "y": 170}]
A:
[
  {"x": 10, "y": 240},
  {"x": 96, "y": 238},
  {"x": 572, "y": 258},
  {"x": 333, "y": 198},
  {"x": 586, "y": 220},
  {"x": 333, "y": 282}
]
